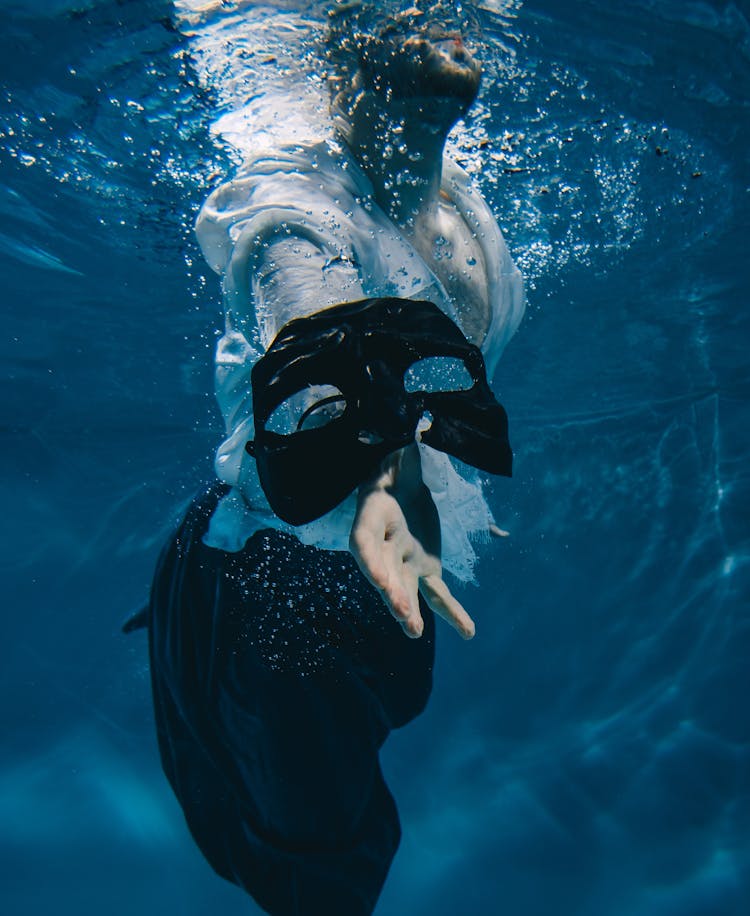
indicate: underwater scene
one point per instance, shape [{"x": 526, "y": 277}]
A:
[{"x": 587, "y": 753}]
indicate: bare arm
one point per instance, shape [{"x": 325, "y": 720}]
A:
[{"x": 395, "y": 539}]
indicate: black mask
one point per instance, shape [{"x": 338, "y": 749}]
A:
[{"x": 364, "y": 349}]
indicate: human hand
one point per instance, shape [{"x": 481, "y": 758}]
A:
[{"x": 395, "y": 539}]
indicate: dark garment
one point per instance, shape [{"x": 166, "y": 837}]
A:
[{"x": 277, "y": 674}]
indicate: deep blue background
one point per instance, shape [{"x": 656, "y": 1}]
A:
[{"x": 589, "y": 751}]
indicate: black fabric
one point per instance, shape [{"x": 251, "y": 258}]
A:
[
  {"x": 277, "y": 674},
  {"x": 363, "y": 349}
]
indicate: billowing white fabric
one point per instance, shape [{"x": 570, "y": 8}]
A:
[{"x": 298, "y": 230}]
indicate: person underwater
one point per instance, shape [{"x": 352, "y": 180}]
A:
[{"x": 368, "y": 292}]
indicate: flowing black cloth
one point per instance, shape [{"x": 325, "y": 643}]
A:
[{"x": 277, "y": 674}]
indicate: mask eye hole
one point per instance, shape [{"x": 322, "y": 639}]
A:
[
  {"x": 438, "y": 373},
  {"x": 314, "y": 406}
]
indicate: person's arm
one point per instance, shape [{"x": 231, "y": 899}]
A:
[
  {"x": 395, "y": 537},
  {"x": 295, "y": 277}
]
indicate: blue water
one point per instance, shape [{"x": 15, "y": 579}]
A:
[{"x": 589, "y": 752}]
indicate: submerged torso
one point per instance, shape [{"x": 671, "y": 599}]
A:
[{"x": 297, "y": 230}]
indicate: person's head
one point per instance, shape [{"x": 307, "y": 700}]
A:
[{"x": 413, "y": 62}]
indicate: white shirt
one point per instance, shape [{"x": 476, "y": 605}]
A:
[{"x": 298, "y": 230}]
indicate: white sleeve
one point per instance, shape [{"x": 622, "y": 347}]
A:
[
  {"x": 296, "y": 277},
  {"x": 277, "y": 260},
  {"x": 293, "y": 278}
]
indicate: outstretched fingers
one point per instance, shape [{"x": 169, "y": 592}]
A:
[
  {"x": 438, "y": 596},
  {"x": 408, "y": 615}
]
